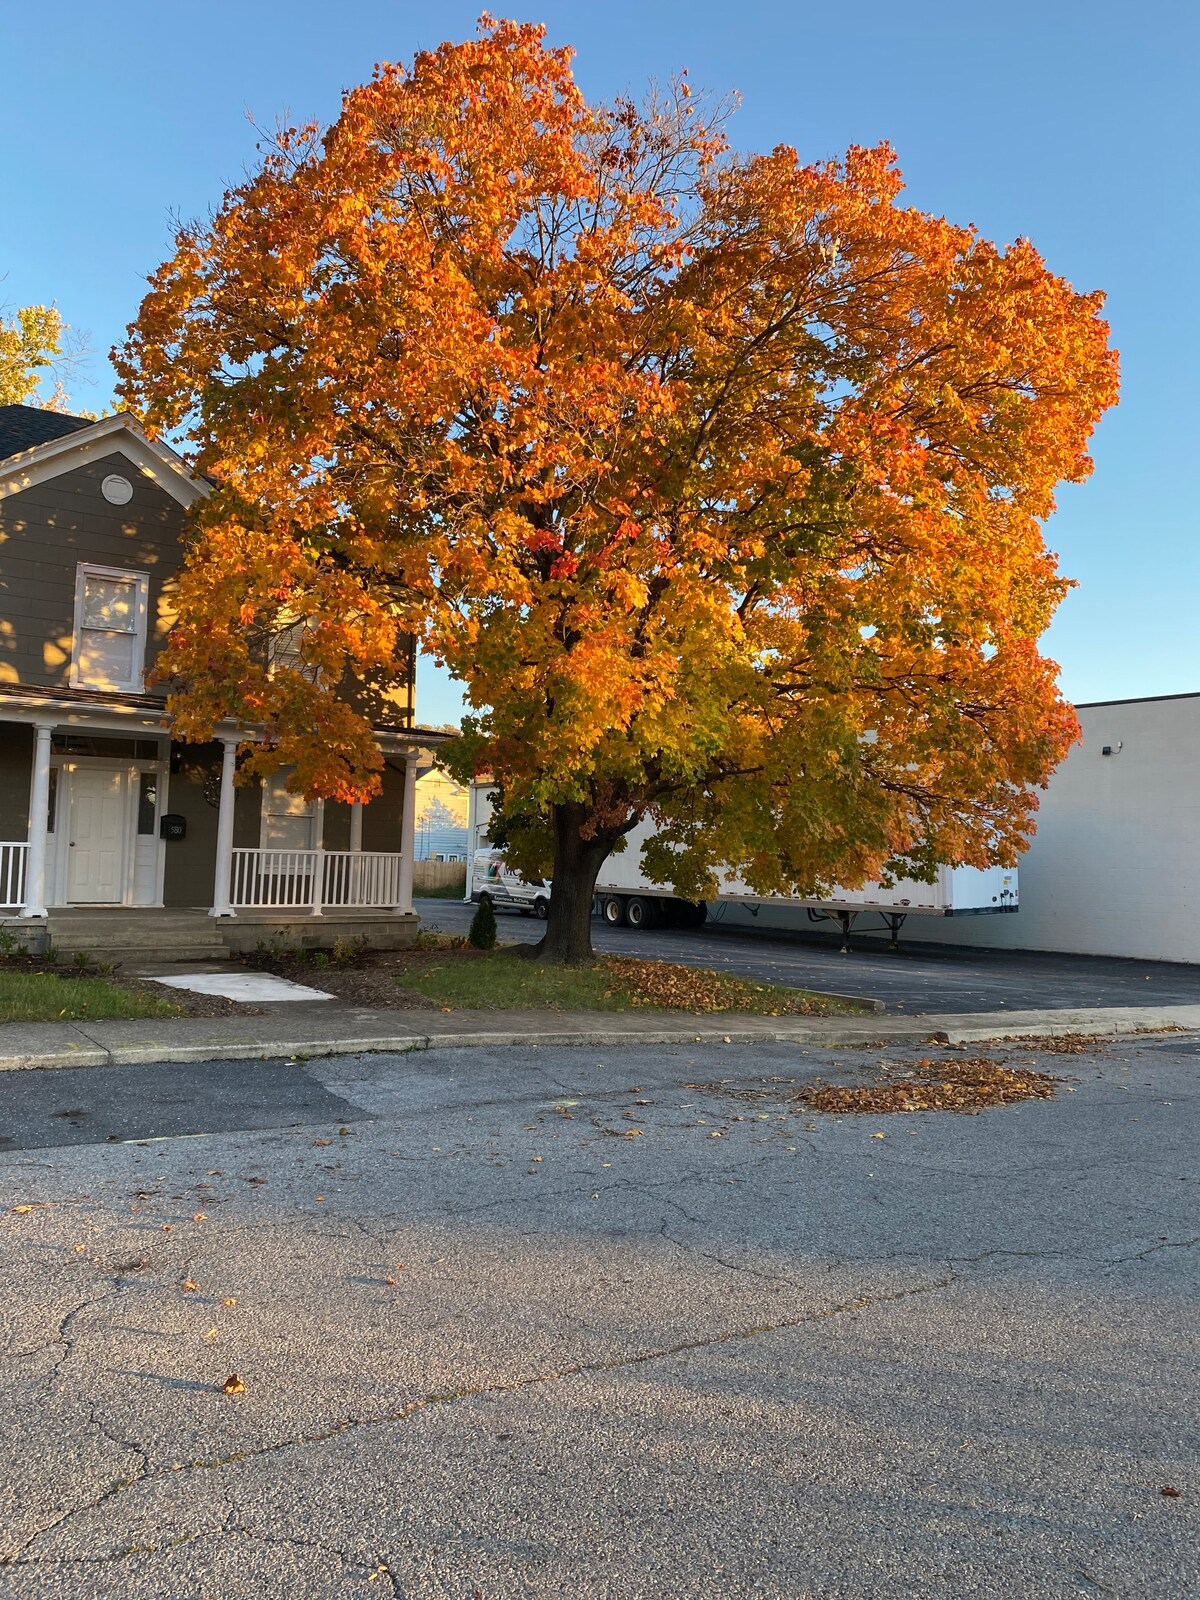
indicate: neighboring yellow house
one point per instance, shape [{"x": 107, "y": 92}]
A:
[{"x": 442, "y": 806}]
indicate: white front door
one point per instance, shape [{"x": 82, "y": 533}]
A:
[{"x": 96, "y": 842}]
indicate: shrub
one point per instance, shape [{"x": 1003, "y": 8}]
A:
[{"x": 483, "y": 926}]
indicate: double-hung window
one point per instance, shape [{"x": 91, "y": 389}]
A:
[
  {"x": 110, "y": 628},
  {"x": 288, "y": 821}
]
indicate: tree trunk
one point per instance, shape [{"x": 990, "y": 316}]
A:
[{"x": 577, "y": 861}]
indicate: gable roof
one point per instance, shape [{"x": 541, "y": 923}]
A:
[
  {"x": 23, "y": 427},
  {"x": 70, "y": 442}
]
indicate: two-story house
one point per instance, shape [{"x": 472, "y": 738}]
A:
[{"x": 103, "y": 815}]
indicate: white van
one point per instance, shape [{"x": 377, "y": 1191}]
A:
[{"x": 507, "y": 890}]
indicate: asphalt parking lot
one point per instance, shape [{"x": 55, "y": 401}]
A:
[
  {"x": 599, "y": 1326},
  {"x": 914, "y": 979}
]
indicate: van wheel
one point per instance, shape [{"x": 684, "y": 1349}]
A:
[
  {"x": 640, "y": 913},
  {"x": 614, "y": 912},
  {"x": 541, "y": 908},
  {"x": 524, "y": 911}
]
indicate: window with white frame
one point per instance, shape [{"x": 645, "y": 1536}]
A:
[
  {"x": 110, "y": 628},
  {"x": 288, "y": 820}
]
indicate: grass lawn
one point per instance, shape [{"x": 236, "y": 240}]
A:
[
  {"x": 503, "y": 980},
  {"x": 45, "y": 997}
]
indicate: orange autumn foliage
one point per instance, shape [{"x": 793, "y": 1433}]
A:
[{"x": 719, "y": 480}]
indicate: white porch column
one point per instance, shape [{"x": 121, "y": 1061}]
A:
[
  {"x": 408, "y": 836},
  {"x": 221, "y": 906},
  {"x": 356, "y": 809},
  {"x": 39, "y": 805},
  {"x": 318, "y": 842}
]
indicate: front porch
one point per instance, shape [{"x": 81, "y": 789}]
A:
[{"x": 127, "y": 836}]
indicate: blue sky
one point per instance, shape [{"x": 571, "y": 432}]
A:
[{"x": 1063, "y": 121}]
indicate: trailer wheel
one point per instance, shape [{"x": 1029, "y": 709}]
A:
[
  {"x": 541, "y": 908},
  {"x": 695, "y": 913},
  {"x": 639, "y": 913},
  {"x": 613, "y": 911}
]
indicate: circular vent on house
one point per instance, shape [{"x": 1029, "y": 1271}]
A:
[{"x": 118, "y": 491}]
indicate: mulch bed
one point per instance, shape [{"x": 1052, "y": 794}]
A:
[
  {"x": 188, "y": 1001},
  {"x": 372, "y": 978}
]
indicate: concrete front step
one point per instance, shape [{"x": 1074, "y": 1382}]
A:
[
  {"x": 136, "y": 934},
  {"x": 141, "y": 955},
  {"x": 130, "y": 917}
]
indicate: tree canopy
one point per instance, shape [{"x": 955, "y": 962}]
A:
[
  {"x": 31, "y": 345},
  {"x": 718, "y": 479}
]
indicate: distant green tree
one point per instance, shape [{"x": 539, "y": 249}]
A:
[{"x": 35, "y": 343}]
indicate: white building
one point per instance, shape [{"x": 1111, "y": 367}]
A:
[
  {"x": 441, "y": 824},
  {"x": 1114, "y": 868}
]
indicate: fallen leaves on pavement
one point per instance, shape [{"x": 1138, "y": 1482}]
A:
[
  {"x": 233, "y": 1384},
  {"x": 969, "y": 1085},
  {"x": 1067, "y": 1044}
]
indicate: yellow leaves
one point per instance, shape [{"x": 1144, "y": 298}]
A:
[
  {"x": 233, "y": 1385},
  {"x": 680, "y": 537}
]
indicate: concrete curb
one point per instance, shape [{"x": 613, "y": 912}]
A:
[{"x": 53, "y": 1045}]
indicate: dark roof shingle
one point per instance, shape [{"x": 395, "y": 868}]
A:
[{"x": 23, "y": 427}]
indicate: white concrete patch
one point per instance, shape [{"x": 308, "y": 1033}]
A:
[{"x": 244, "y": 986}]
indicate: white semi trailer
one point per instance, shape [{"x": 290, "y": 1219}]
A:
[{"x": 625, "y": 897}]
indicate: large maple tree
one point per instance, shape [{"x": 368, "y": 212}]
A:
[{"x": 718, "y": 480}]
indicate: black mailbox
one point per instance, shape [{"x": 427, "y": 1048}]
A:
[{"x": 172, "y": 826}]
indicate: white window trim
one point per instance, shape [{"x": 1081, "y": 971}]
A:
[{"x": 89, "y": 569}]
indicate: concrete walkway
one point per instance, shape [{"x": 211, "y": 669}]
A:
[{"x": 298, "y": 1031}]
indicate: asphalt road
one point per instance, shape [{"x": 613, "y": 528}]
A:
[
  {"x": 914, "y": 979},
  {"x": 560, "y": 1323}
]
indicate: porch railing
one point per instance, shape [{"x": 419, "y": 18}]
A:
[
  {"x": 314, "y": 880},
  {"x": 13, "y": 858}
]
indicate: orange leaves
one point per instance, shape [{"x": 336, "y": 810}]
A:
[
  {"x": 719, "y": 481},
  {"x": 967, "y": 1085}
]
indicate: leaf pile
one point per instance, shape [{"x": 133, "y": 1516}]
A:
[
  {"x": 671, "y": 987},
  {"x": 1067, "y": 1044},
  {"x": 971, "y": 1085}
]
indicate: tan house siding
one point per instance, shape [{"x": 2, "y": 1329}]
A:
[{"x": 46, "y": 531}]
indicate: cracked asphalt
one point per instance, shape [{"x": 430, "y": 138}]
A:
[{"x": 559, "y": 1323}]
